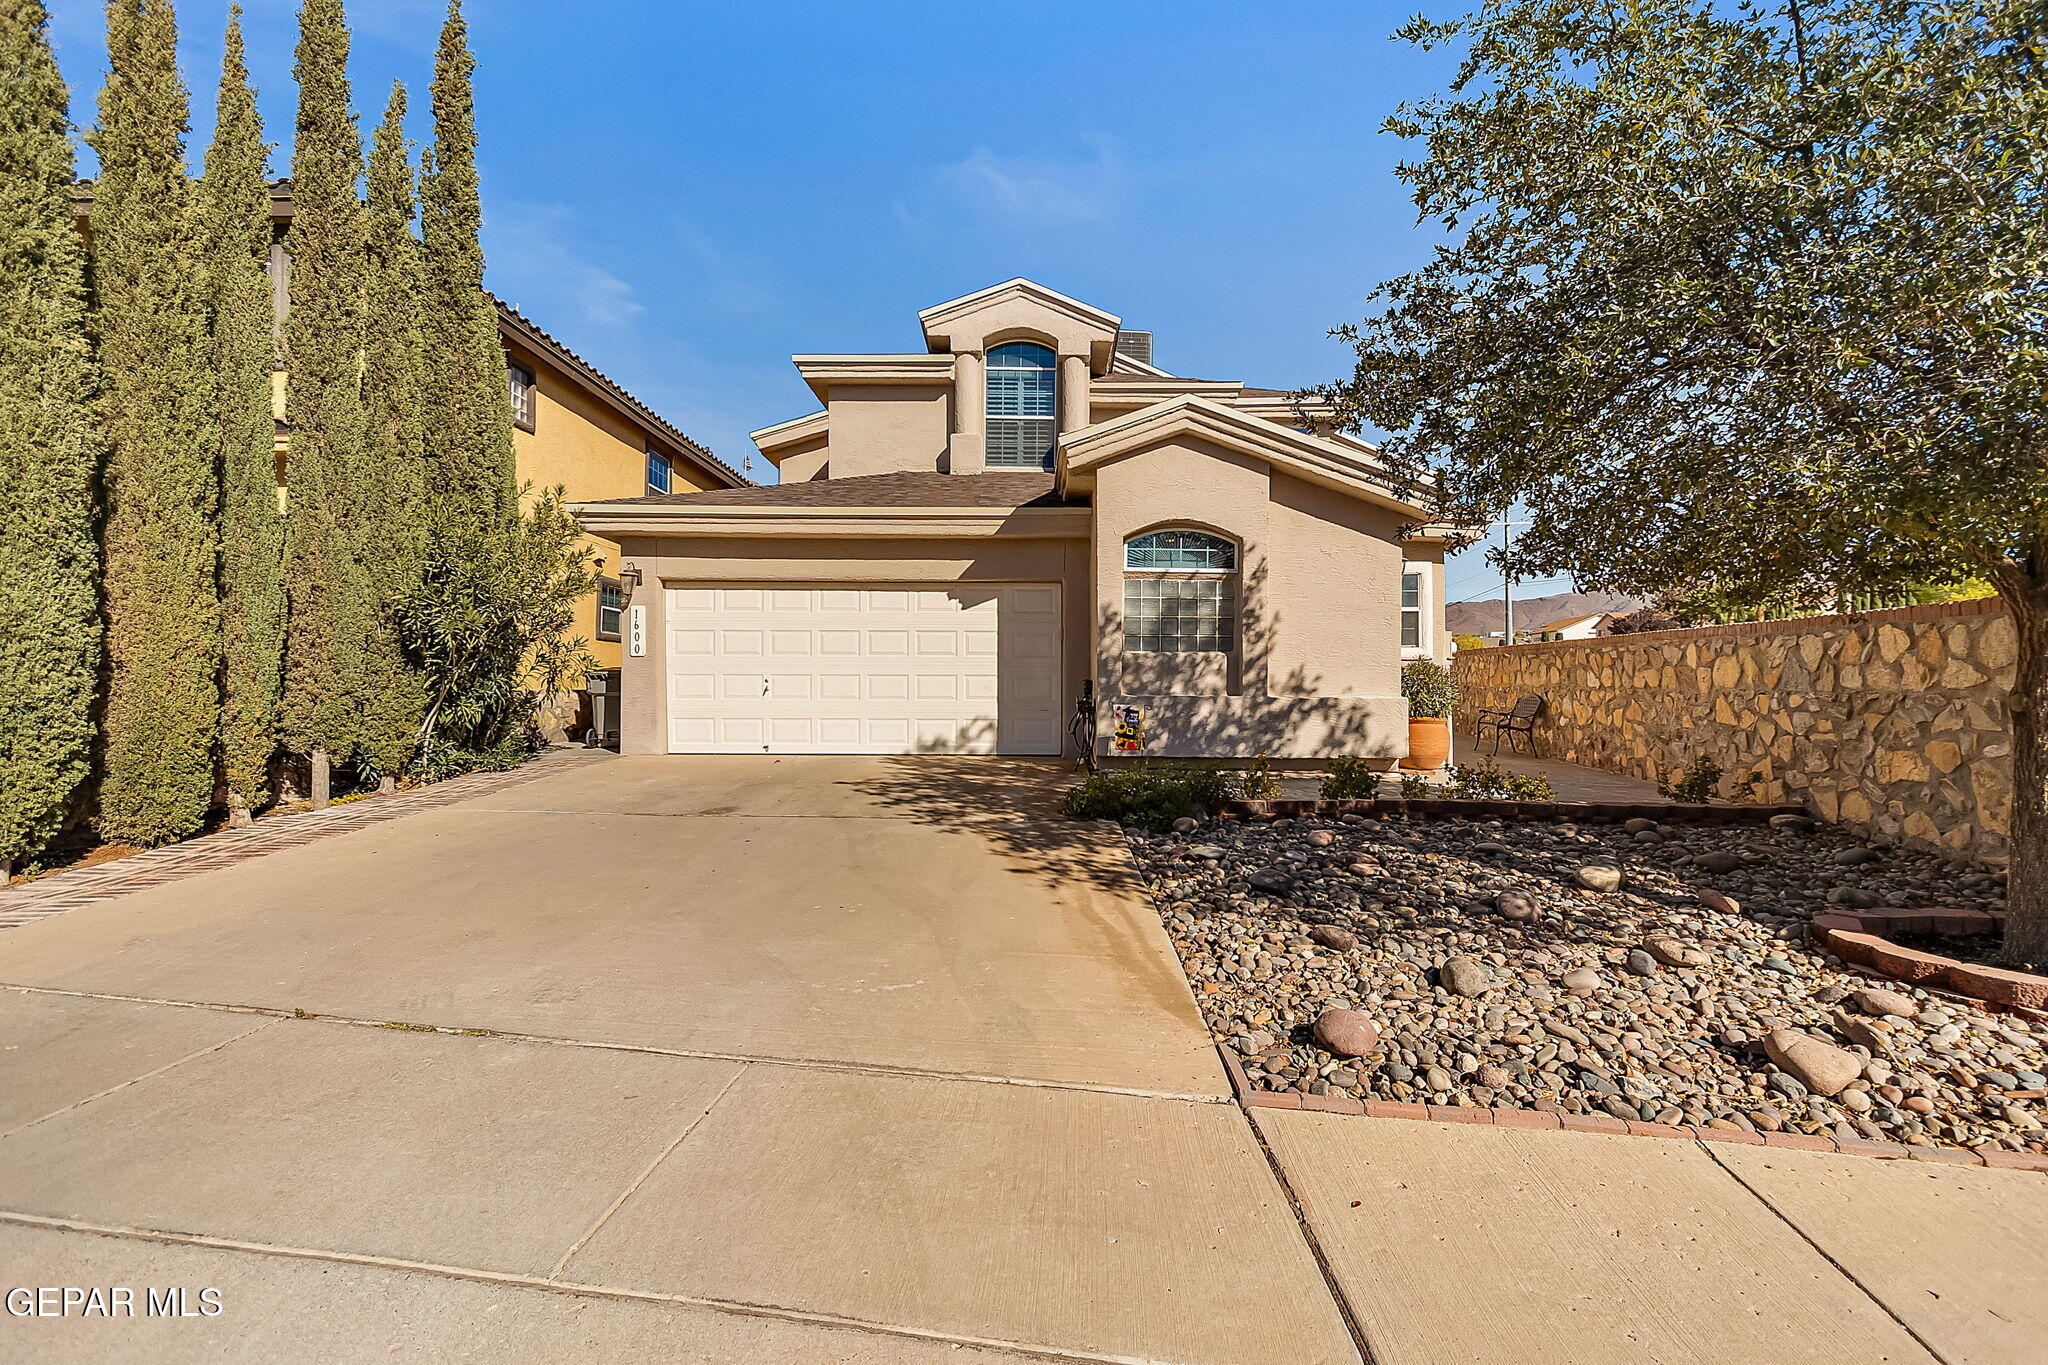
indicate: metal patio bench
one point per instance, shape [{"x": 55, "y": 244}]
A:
[{"x": 1519, "y": 719}]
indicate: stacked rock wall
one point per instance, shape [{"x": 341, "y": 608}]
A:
[{"x": 1891, "y": 722}]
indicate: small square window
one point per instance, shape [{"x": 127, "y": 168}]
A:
[
  {"x": 611, "y": 606},
  {"x": 519, "y": 382},
  {"x": 658, "y": 472}
]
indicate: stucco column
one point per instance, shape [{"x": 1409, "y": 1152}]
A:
[
  {"x": 966, "y": 448},
  {"x": 1073, "y": 392}
]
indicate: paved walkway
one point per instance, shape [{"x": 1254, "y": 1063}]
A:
[
  {"x": 1570, "y": 781},
  {"x": 807, "y": 1060}
]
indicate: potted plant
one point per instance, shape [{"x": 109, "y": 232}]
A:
[{"x": 1431, "y": 694}]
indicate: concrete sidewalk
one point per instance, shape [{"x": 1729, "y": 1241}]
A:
[{"x": 842, "y": 1060}]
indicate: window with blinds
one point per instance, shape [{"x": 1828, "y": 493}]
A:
[{"x": 1021, "y": 391}]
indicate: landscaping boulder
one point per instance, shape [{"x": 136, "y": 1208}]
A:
[
  {"x": 1720, "y": 904},
  {"x": 1271, "y": 880},
  {"x": 1582, "y": 981},
  {"x": 1346, "y": 1033},
  {"x": 1599, "y": 877},
  {"x": 1821, "y": 1067},
  {"x": 1518, "y": 906},
  {"x": 1673, "y": 953},
  {"x": 1466, "y": 976},
  {"x": 1872, "y": 1001},
  {"x": 1718, "y": 862},
  {"x": 1334, "y": 937}
]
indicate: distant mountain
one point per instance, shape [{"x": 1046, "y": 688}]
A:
[{"x": 1484, "y": 618}]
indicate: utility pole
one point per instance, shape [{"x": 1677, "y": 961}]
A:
[
  {"x": 1507, "y": 544},
  {"x": 1507, "y": 581}
]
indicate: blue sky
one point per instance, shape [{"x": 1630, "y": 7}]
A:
[{"x": 686, "y": 193}]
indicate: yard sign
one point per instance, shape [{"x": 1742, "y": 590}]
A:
[{"x": 1128, "y": 737}]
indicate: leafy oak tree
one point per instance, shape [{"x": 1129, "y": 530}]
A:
[
  {"x": 49, "y": 449},
  {"x": 1748, "y": 298},
  {"x": 234, "y": 201},
  {"x": 161, "y": 713}
]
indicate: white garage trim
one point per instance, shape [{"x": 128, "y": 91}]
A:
[{"x": 846, "y": 668}]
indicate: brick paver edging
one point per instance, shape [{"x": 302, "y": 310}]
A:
[
  {"x": 1543, "y": 1121},
  {"x": 60, "y": 891},
  {"x": 1858, "y": 936},
  {"x": 1452, "y": 808}
]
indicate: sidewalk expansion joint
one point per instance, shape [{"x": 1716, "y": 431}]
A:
[
  {"x": 571, "y": 1289},
  {"x": 1825, "y": 1255},
  {"x": 136, "y": 1080},
  {"x": 695, "y": 1054},
  {"x": 555, "y": 1271}
]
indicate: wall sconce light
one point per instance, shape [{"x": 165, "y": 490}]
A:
[{"x": 629, "y": 575}]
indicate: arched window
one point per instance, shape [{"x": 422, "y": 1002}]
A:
[
  {"x": 1020, "y": 390},
  {"x": 1180, "y": 593}
]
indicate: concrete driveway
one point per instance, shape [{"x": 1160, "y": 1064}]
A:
[
  {"x": 726, "y": 1058},
  {"x": 865, "y": 1060}
]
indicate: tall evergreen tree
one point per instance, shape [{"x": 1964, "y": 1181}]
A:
[
  {"x": 328, "y": 588},
  {"x": 49, "y": 447},
  {"x": 391, "y": 496},
  {"x": 469, "y": 444},
  {"x": 159, "y": 538},
  {"x": 235, "y": 211}
]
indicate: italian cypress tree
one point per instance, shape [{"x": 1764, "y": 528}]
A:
[
  {"x": 159, "y": 537},
  {"x": 327, "y": 587},
  {"x": 49, "y": 447},
  {"x": 469, "y": 444},
  {"x": 235, "y": 210},
  {"x": 392, "y": 494}
]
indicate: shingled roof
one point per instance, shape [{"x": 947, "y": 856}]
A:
[{"x": 1004, "y": 488}]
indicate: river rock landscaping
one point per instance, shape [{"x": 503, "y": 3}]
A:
[{"x": 1652, "y": 972}]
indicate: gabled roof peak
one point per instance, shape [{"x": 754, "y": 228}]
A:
[{"x": 1018, "y": 287}]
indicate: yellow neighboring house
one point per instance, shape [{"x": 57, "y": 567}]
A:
[{"x": 573, "y": 427}]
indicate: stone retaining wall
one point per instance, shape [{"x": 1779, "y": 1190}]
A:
[{"x": 1892, "y": 722}]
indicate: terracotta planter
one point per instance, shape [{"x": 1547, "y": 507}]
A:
[{"x": 1429, "y": 743}]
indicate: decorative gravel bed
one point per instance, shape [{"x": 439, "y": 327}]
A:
[{"x": 1649, "y": 972}]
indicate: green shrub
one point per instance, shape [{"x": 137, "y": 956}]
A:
[
  {"x": 1487, "y": 782},
  {"x": 1429, "y": 688},
  {"x": 1350, "y": 779},
  {"x": 1414, "y": 786},
  {"x": 1698, "y": 783},
  {"x": 1151, "y": 795},
  {"x": 1258, "y": 782}
]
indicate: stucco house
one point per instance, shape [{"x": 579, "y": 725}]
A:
[{"x": 966, "y": 536}]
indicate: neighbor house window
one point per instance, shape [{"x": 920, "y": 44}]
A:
[
  {"x": 611, "y": 605},
  {"x": 658, "y": 472},
  {"x": 519, "y": 380},
  {"x": 1020, "y": 390},
  {"x": 1180, "y": 593},
  {"x": 1411, "y": 611}
]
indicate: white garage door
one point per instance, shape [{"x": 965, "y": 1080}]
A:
[{"x": 915, "y": 669}]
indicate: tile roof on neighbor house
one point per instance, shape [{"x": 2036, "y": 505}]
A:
[
  {"x": 1008, "y": 488},
  {"x": 529, "y": 333}
]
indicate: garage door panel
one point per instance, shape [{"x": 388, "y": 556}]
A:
[{"x": 923, "y": 668}]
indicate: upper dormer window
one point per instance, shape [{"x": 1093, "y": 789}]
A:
[{"x": 1021, "y": 390}]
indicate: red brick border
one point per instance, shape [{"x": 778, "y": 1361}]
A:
[
  {"x": 26, "y": 902},
  {"x": 1858, "y": 936},
  {"x": 1541, "y": 1120}
]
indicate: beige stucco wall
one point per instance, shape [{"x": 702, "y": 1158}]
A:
[
  {"x": 1892, "y": 723},
  {"x": 676, "y": 561},
  {"x": 804, "y": 461},
  {"x": 594, "y": 453},
  {"x": 1316, "y": 671},
  {"x": 889, "y": 428}
]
